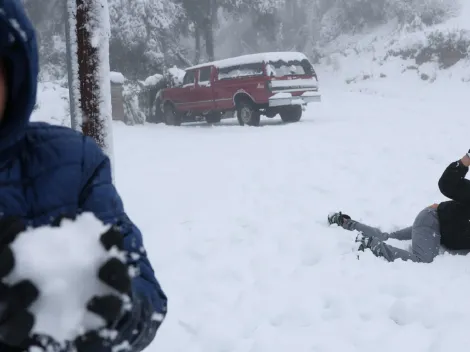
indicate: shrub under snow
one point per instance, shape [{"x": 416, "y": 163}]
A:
[{"x": 445, "y": 48}]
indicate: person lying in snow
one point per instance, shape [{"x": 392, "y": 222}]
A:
[
  {"x": 47, "y": 172},
  {"x": 447, "y": 223}
]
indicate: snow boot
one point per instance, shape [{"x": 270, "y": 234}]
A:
[
  {"x": 337, "y": 218},
  {"x": 364, "y": 242},
  {"x": 370, "y": 243}
]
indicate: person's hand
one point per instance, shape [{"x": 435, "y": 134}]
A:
[
  {"x": 16, "y": 322},
  {"x": 111, "y": 307},
  {"x": 466, "y": 159}
]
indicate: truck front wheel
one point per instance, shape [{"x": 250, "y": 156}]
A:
[
  {"x": 247, "y": 114},
  {"x": 170, "y": 115},
  {"x": 291, "y": 113}
]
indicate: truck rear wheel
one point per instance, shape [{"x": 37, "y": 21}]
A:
[
  {"x": 291, "y": 113},
  {"x": 247, "y": 114},
  {"x": 170, "y": 116}
]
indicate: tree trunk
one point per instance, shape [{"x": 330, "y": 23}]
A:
[
  {"x": 209, "y": 39},
  {"x": 89, "y": 43},
  {"x": 209, "y": 21},
  {"x": 197, "y": 37}
]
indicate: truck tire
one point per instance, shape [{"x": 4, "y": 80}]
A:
[
  {"x": 247, "y": 114},
  {"x": 213, "y": 117},
  {"x": 170, "y": 116},
  {"x": 291, "y": 113}
]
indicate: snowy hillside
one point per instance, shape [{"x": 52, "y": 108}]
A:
[
  {"x": 235, "y": 223},
  {"x": 380, "y": 60}
]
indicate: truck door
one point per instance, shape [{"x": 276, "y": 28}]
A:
[
  {"x": 184, "y": 99},
  {"x": 204, "y": 97}
]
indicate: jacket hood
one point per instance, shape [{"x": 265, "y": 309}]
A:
[{"x": 18, "y": 50}]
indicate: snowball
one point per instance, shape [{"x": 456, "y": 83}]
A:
[{"x": 63, "y": 263}]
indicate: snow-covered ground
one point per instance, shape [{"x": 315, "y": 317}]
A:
[
  {"x": 234, "y": 218},
  {"x": 235, "y": 223}
]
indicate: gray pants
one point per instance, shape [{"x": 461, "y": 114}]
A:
[{"x": 424, "y": 234}]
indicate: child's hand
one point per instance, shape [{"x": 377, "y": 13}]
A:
[
  {"x": 115, "y": 274},
  {"x": 466, "y": 159},
  {"x": 15, "y": 300}
]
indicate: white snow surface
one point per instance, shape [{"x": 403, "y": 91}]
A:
[
  {"x": 364, "y": 62},
  {"x": 239, "y": 238},
  {"x": 177, "y": 74},
  {"x": 254, "y": 58},
  {"x": 52, "y": 104},
  {"x": 117, "y": 77},
  {"x": 234, "y": 222},
  {"x": 153, "y": 80},
  {"x": 63, "y": 263}
]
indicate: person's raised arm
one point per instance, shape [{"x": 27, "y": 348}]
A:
[{"x": 453, "y": 184}]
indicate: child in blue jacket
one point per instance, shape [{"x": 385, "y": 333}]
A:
[{"x": 49, "y": 171}]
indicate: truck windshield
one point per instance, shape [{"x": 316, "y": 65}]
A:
[{"x": 289, "y": 68}]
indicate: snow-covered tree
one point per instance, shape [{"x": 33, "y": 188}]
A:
[
  {"x": 203, "y": 17},
  {"x": 143, "y": 32},
  {"x": 49, "y": 20},
  {"x": 158, "y": 34},
  {"x": 89, "y": 48},
  {"x": 425, "y": 12}
]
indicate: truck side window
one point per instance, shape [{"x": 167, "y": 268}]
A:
[
  {"x": 188, "y": 78},
  {"x": 205, "y": 74},
  {"x": 240, "y": 71}
]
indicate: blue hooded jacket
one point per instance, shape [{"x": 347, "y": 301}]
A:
[{"x": 47, "y": 171}]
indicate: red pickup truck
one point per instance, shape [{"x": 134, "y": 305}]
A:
[{"x": 252, "y": 85}]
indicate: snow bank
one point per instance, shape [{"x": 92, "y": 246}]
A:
[{"x": 63, "y": 263}]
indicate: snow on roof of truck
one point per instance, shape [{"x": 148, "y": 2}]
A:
[{"x": 253, "y": 58}]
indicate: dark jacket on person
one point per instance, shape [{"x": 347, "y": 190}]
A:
[
  {"x": 48, "y": 171},
  {"x": 454, "y": 215}
]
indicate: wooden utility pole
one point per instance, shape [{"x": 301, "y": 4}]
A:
[{"x": 89, "y": 81}]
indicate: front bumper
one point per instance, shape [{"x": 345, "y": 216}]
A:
[{"x": 284, "y": 99}]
